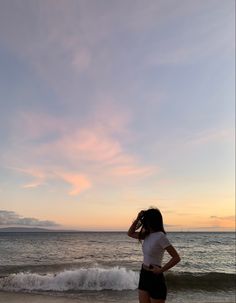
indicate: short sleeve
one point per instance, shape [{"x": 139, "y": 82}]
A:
[{"x": 164, "y": 242}]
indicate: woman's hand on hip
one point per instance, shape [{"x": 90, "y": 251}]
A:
[{"x": 156, "y": 270}]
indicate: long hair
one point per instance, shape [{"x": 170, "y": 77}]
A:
[{"x": 151, "y": 221}]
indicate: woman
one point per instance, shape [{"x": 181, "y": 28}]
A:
[{"x": 152, "y": 286}]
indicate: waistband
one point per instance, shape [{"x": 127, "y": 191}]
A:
[{"x": 150, "y": 267}]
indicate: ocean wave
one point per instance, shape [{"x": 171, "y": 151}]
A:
[{"x": 114, "y": 278}]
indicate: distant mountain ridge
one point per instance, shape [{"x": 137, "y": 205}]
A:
[{"x": 31, "y": 229}]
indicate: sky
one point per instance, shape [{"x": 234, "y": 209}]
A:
[{"x": 110, "y": 107}]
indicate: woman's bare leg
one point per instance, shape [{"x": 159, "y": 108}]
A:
[{"x": 143, "y": 296}]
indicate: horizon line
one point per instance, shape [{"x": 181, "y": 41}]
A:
[{"x": 37, "y": 229}]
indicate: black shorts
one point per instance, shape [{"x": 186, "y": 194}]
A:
[{"x": 154, "y": 284}]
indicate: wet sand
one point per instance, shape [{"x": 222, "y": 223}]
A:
[{"x": 7, "y": 297}]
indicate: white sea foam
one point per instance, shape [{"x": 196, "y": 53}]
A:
[{"x": 115, "y": 278}]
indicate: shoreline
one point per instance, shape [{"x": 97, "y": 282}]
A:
[{"x": 12, "y": 297}]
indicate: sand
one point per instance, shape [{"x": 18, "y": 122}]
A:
[{"x": 6, "y": 297}]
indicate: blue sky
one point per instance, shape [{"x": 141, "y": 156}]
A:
[{"x": 108, "y": 107}]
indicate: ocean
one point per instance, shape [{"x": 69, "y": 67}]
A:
[{"x": 104, "y": 266}]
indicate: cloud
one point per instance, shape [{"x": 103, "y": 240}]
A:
[
  {"x": 79, "y": 182},
  {"x": 211, "y": 228},
  {"x": 194, "y": 42},
  {"x": 197, "y": 138},
  {"x": 132, "y": 171},
  {"x": 32, "y": 185},
  {"x": 86, "y": 40},
  {"x": 38, "y": 174},
  {"x": 212, "y": 135},
  {"x": 225, "y": 218},
  {"x": 224, "y": 221},
  {"x": 88, "y": 144},
  {"x": 37, "y": 126},
  {"x": 58, "y": 148},
  {"x": 12, "y": 218}
]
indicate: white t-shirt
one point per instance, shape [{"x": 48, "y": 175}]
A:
[{"x": 154, "y": 247}]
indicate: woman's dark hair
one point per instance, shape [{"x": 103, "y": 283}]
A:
[{"x": 151, "y": 221}]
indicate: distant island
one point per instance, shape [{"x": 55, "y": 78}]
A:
[
  {"x": 31, "y": 229},
  {"x": 45, "y": 230}
]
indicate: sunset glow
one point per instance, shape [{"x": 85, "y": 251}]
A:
[{"x": 109, "y": 107}]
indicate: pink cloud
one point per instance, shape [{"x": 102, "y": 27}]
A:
[
  {"x": 88, "y": 145},
  {"x": 79, "y": 182},
  {"x": 38, "y": 175},
  {"x": 32, "y": 185},
  {"x": 35, "y": 172},
  {"x": 98, "y": 141},
  {"x": 36, "y": 125},
  {"x": 100, "y": 150},
  {"x": 97, "y": 145},
  {"x": 132, "y": 171}
]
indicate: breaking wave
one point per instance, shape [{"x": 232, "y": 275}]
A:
[{"x": 115, "y": 278}]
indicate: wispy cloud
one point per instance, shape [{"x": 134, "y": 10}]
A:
[
  {"x": 12, "y": 218},
  {"x": 75, "y": 153},
  {"x": 32, "y": 185},
  {"x": 76, "y": 45},
  {"x": 133, "y": 171},
  {"x": 223, "y": 221},
  {"x": 122, "y": 95},
  {"x": 211, "y": 135},
  {"x": 38, "y": 175},
  {"x": 225, "y": 218},
  {"x": 79, "y": 182}
]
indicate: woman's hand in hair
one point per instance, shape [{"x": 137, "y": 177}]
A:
[{"x": 140, "y": 214}]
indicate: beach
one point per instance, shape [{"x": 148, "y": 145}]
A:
[
  {"x": 32, "y": 298},
  {"x": 6, "y": 297}
]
